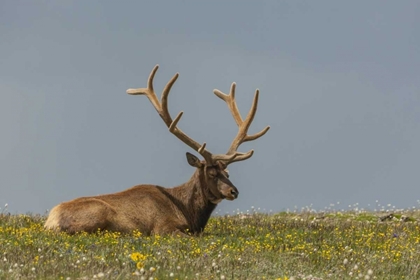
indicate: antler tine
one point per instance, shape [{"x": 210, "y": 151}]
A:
[
  {"x": 243, "y": 125},
  {"x": 164, "y": 100},
  {"x": 149, "y": 92},
  {"x": 231, "y": 102},
  {"x": 250, "y": 118}
]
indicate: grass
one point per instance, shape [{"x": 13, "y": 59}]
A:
[{"x": 306, "y": 245}]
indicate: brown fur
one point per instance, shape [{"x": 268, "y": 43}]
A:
[{"x": 147, "y": 208}]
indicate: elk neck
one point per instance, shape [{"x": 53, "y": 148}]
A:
[{"x": 193, "y": 200}]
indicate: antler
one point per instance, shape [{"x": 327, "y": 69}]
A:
[
  {"x": 162, "y": 109},
  {"x": 243, "y": 125}
]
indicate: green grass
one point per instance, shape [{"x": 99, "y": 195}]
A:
[{"x": 334, "y": 245}]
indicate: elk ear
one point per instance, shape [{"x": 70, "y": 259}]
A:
[{"x": 193, "y": 160}]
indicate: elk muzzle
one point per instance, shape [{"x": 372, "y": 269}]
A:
[
  {"x": 230, "y": 193},
  {"x": 227, "y": 189}
]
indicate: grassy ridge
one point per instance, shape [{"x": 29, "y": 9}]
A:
[{"x": 336, "y": 245}]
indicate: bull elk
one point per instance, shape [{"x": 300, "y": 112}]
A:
[{"x": 152, "y": 209}]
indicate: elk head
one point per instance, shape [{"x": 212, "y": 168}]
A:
[{"x": 217, "y": 180}]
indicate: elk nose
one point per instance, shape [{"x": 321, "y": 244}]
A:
[{"x": 234, "y": 193}]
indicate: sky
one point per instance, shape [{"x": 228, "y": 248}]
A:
[{"x": 339, "y": 86}]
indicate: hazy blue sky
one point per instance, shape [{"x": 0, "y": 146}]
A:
[{"x": 339, "y": 81}]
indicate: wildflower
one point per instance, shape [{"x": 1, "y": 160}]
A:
[
  {"x": 139, "y": 265},
  {"x": 370, "y": 272},
  {"x": 101, "y": 274},
  {"x": 137, "y": 257},
  {"x": 171, "y": 274},
  {"x": 345, "y": 261},
  {"x": 152, "y": 269}
]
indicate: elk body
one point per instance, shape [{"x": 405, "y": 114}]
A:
[{"x": 152, "y": 209}]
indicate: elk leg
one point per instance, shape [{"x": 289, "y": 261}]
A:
[{"x": 171, "y": 227}]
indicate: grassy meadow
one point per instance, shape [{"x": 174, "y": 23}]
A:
[{"x": 304, "y": 245}]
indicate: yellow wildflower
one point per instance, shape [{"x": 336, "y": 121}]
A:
[
  {"x": 140, "y": 265},
  {"x": 136, "y": 256}
]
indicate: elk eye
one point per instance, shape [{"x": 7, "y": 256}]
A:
[{"x": 212, "y": 173}]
